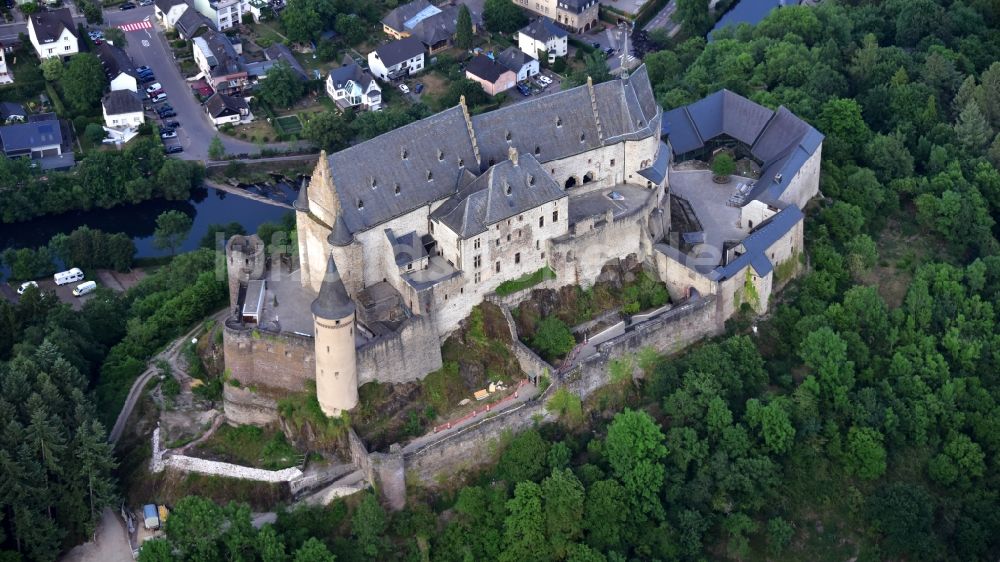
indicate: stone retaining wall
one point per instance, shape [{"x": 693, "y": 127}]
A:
[{"x": 161, "y": 461}]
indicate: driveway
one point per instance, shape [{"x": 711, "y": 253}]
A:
[{"x": 149, "y": 47}]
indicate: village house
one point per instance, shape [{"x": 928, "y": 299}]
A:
[
  {"x": 218, "y": 60},
  {"x": 397, "y": 59},
  {"x": 53, "y": 33},
  {"x": 223, "y": 14},
  {"x": 543, "y": 35},
  {"x": 167, "y": 12},
  {"x": 351, "y": 87},
  {"x": 6, "y": 76},
  {"x": 578, "y": 16},
  {"x": 122, "y": 109},
  {"x": 519, "y": 62},
  {"x": 222, "y": 109},
  {"x": 434, "y": 26},
  {"x": 118, "y": 67},
  {"x": 40, "y": 140},
  {"x": 490, "y": 74}
]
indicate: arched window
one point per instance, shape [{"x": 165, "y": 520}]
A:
[
  {"x": 588, "y": 177},
  {"x": 570, "y": 182}
]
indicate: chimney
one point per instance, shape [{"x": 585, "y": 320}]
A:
[{"x": 512, "y": 153}]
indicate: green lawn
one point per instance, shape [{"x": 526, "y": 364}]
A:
[
  {"x": 525, "y": 281},
  {"x": 288, "y": 124},
  {"x": 252, "y": 446}
]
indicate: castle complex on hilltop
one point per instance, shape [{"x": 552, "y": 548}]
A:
[{"x": 399, "y": 237}]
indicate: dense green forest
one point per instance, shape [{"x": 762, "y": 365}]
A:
[{"x": 859, "y": 420}]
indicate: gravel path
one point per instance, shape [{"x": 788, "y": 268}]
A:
[{"x": 109, "y": 546}]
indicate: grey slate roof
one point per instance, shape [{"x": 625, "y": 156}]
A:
[
  {"x": 24, "y": 136},
  {"x": 279, "y": 52},
  {"x": 514, "y": 59},
  {"x": 407, "y": 248},
  {"x": 350, "y": 70},
  {"x": 190, "y": 22},
  {"x": 441, "y": 145},
  {"x": 115, "y": 61},
  {"x": 486, "y": 68},
  {"x": 226, "y": 60},
  {"x": 332, "y": 302},
  {"x": 505, "y": 190},
  {"x": 781, "y": 141},
  {"x": 165, "y": 5},
  {"x": 395, "y": 52},
  {"x": 398, "y": 17},
  {"x": 543, "y": 29},
  {"x": 657, "y": 171},
  {"x": 220, "y": 104},
  {"x": 121, "y": 101},
  {"x": 50, "y": 25},
  {"x": 757, "y": 243}
]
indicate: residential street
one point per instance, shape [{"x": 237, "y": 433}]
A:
[
  {"x": 149, "y": 47},
  {"x": 664, "y": 19}
]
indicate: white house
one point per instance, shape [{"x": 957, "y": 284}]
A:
[
  {"x": 53, "y": 33},
  {"x": 350, "y": 87},
  {"x": 169, "y": 11},
  {"x": 223, "y": 14},
  {"x": 543, "y": 35},
  {"x": 519, "y": 62},
  {"x": 118, "y": 67},
  {"x": 122, "y": 110},
  {"x": 222, "y": 109},
  {"x": 6, "y": 76},
  {"x": 397, "y": 59}
]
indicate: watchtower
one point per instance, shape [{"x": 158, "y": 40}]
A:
[{"x": 336, "y": 361}]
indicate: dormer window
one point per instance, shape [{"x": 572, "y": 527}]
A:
[
  {"x": 461, "y": 162},
  {"x": 374, "y": 182},
  {"x": 430, "y": 175},
  {"x": 531, "y": 179},
  {"x": 507, "y": 135},
  {"x": 558, "y": 121},
  {"x": 440, "y": 155},
  {"x": 403, "y": 154},
  {"x": 507, "y": 189},
  {"x": 583, "y": 137},
  {"x": 397, "y": 189},
  {"x": 538, "y": 150},
  {"x": 361, "y": 204}
]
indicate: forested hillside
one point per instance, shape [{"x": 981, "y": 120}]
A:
[{"x": 859, "y": 421}]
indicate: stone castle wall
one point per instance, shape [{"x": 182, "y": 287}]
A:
[
  {"x": 406, "y": 355},
  {"x": 267, "y": 360}
]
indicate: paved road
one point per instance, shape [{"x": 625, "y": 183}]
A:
[
  {"x": 609, "y": 37},
  {"x": 109, "y": 545},
  {"x": 664, "y": 20},
  {"x": 149, "y": 47}
]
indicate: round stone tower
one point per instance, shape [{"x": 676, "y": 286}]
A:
[
  {"x": 244, "y": 262},
  {"x": 336, "y": 362}
]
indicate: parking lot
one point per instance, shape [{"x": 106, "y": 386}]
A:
[{"x": 116, "y": 281}]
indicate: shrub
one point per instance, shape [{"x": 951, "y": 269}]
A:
[{"x": 553, "y": 338}]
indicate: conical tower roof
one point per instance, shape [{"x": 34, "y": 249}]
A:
[
  {"x": 302, "y": 201},
  {"x": 332, "y": 302},
  {"x": 340, "y": 235}
]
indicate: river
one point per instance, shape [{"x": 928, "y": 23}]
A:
[
  {"x": 207, "y": 206},
  {"x": 749, "y": 11}
]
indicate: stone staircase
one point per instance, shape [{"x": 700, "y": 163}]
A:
[{"x": 350, "y": 483}]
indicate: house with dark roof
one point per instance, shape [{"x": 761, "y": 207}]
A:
[
  {"x": 191, "y": 23},
  {"x": 278, "y": 52},
  {"x": 519, "y": 62},
  {"x": 490, "y": 74},
  {"x": 349, "y": 86},
  {"x": 122, "y": 110},
  {"x": 435, "y": 26},
  {"x": 397, "y": 59},
  {"x": 219, "y": 62},
  {"x": 543, "y": 35},
  {"x": 223, "y": 109},
  {"x": 41, "y": 141},
  {"x": 53, "y": 33},
  {"x": 167, "y": 12},
  {"x": 11, "y": 112},
  {"x": 118, "y": 67}
]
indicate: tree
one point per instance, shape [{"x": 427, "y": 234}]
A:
[
  {"x": 301, "y": 21},
  {"x": 216, "y": 150},
  {"x": 844, "y": 126},
  {"x": 524, "y": 527},
  {"x": 172, "y": 228},
  {"x": 116, "y": 36},
  {"x": 463, "y": 28},
  {"x": 694, "y": 17},
  {"x": 94, "y": 133},
  {"x": 524, "y": 458},
  {"x": 723, "y": 165},
  {"x": 52, "y": 69},
  {"x": 553, "y": 338},
  {"x": 329, "y": 130},
  {"x": 83, "y": 82},
  {"x": 194, "y": 527},
  {"x": 972, "y": 129},
  {"x": 368, "y": 527},
  {"x": 502, "y": 16},
  {"x": 563, "y": 496},
  {"x": 774, "y": 423},
  {"x": 283, "y": 86},
  {"x": 889, "y": 157},
  {"x": 313, "y": 550},
  {"x": 865, "y": 455},
  {"x": 219, "y": 234},
  {"x": 606, "y": 513},
  {"x": 903, "y": 513},
  {"x": 176, "y": 178},
  {"x": 352, "y": 28},
  {"x": 634, "y": 449}
]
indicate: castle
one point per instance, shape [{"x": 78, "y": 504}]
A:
[{"x": 399, "y": 237}]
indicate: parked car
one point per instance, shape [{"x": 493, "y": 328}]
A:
[
  {"x": 95, "y": 34},
  {"x": 143, "y": 68},
  {"x": 85, "y": 288},
  {"x": 145, "y": 2},
  {"x": 164, "y": 108},
  {"x": 595, "y": 44},
  {"x": 24, "y": 286},
  {"x": 174, "y": 149},
  {"x": 146, "y": 79},
  {"x": 404, "y": 88},
  {"x": 152, "y": 88},
  {"x": 126, "y": 6},
  {"x": 609, "y": 51},
  {"x": 144, "y": 73},
  {"x": 172, "y": 124},
  {"x": 168, "y": 135},
  {"x": 166, "y": 114},
  {"x": 524, "y": 89},
  {"x": 418, "y": 87},
  {"x": 159, "y": 97},
  {"x": 543, "y": 79}
]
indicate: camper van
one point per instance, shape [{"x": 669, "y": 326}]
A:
[
  {"x": 64, "y": 277},
  {"x": 84, "y": 288}
]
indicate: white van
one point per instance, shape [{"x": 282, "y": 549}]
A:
[
  {"x": 64, "y": 277},
  {"x": 84, "y": 288}
]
